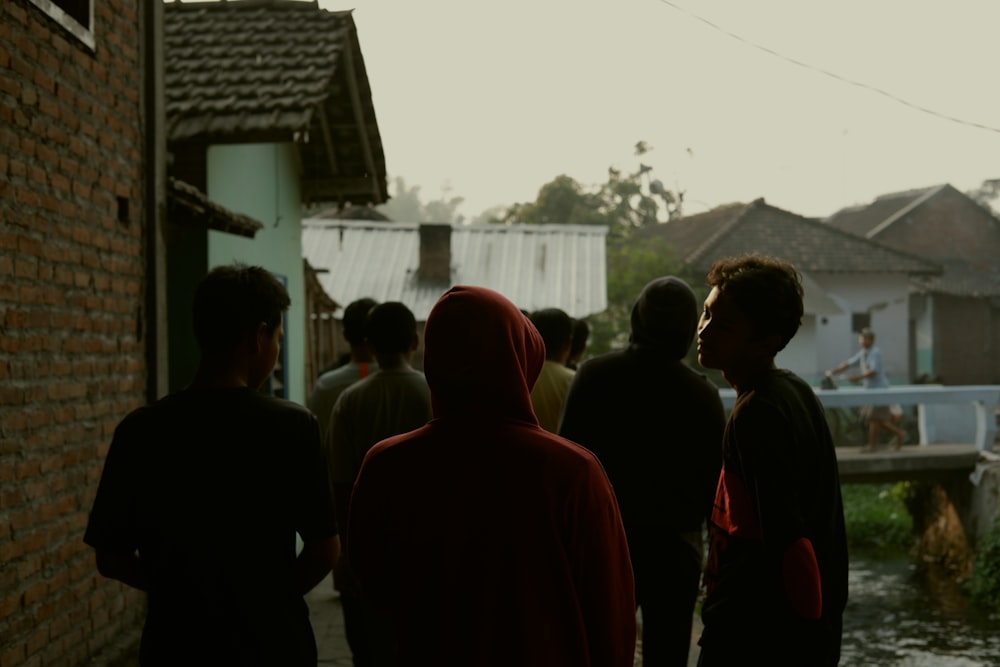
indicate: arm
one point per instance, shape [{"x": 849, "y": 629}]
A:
[
  {"x": 343, "y": 578},
  {"x": 315, "y": 561},
  {"x": 124, "y": 567},
  {"x": 315, "y": 519},
  {"x": 111, "y": 528},
  {"x": 858, "y": 377},
  {"x": 844, "y": 365},
  {"x": 774, "y": 477}
]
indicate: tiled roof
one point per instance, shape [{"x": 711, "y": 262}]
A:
[
  {"x": 535, "y": 266},
  {"x": 187, "y": 205},
  {"x": 276, "y": 70},
  {"x": 962, "y": 279},
  {"x": 969, "y": 266},
  {"x": 865, "y": 220},
  {"x": 810, "y": 245}
]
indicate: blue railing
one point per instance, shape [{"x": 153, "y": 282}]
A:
[{"x": 984, "y": 399}]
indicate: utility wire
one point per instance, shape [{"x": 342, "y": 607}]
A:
[{"x": 830, "y": 74}]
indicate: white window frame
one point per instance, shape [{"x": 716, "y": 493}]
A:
[{"x": 85, "y": 33}]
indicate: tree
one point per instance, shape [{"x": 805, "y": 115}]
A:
[
  {"x": 406, "y": 206},
  {"x": 987, "y": 195},
  {"x": 626, "y": 201}
]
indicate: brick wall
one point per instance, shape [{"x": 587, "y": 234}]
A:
[{"x": 71, "y": 303}]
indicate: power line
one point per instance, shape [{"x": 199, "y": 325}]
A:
[{"x": 832, "y": 75}]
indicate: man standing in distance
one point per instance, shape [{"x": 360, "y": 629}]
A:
[
  {"x": 203, "y": 492},
  {"x": 871, "y": 372},
  {"x": 776, "y": 579},
  {"x": 548, "y": 396},
  {"x": 395, "y": 399},
  {"x": 656, "y": 425},
  {"x": 360, "y": 364}
]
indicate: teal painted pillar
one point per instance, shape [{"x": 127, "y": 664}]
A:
[{"x": 262, "y": 181}]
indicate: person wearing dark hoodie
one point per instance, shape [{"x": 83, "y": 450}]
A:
[
  {"x": 484, "y": 539},
  {"x": 656, "y": 425}
]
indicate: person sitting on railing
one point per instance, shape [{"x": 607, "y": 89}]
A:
[{"x": 872, "y": 375}]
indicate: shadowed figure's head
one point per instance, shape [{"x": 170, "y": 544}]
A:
[
  {"x": 665, "y": 316},
  {"x": 482, "y": 353}
]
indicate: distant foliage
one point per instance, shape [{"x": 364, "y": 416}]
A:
[
  {"x": 405, "y": 205},
  {"x": 629, "y": 268},
  {"x": 876, "y": 517},
  {"x": 987, "y": 195},
  {"x": 983, "y": 584},
  {"x": 626, "y": 201}
]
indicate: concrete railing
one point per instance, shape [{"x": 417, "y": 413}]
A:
[{"x": 975, "y": 406}]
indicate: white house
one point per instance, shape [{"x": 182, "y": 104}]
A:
[{"x": 849, "y": 282}]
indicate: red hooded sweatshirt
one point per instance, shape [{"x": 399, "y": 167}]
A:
[{"x": 482, "y": 538}]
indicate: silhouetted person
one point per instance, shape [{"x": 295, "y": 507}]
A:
[
  {"x": 776, "y": 578},
  {"x": 360, "y": 363},
  {"x": 395, "y": 399},
  {"x": 549, "y": 393},
  {"x": 203, "y": 492},
  {"x": 656, "y": 425},
  {"x": 484, "y": 538}
]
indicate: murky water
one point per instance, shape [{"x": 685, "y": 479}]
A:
[{"x": 899, "y": 615}]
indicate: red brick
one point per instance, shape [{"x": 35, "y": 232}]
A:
[
  {"x": 43, "y": 79},
  {"x": 14, "y": 655},
  {"x": 25, "y": 268},
  {"x": 48, "y": 105}
]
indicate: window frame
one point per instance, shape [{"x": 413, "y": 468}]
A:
[{"x": 55, "y": 11}]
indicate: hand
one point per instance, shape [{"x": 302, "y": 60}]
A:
[{"x": 343, "y": 576}]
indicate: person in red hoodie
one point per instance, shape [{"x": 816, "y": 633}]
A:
[{"x": 482, "y": 538}]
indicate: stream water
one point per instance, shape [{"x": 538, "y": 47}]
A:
[{"x": 900, "y": 615}]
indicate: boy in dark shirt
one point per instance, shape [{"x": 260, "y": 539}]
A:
[
  {"x": 776, "y": 580},
  {"x": 203, "y": 492}
]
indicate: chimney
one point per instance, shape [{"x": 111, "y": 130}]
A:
[{"x": 435, "y": 253}]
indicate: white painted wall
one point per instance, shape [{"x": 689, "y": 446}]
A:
[
  {"x": 886, "y": 297},
  {"x": 799, "y": 356}
]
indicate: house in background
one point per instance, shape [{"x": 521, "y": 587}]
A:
[
  {"x": 956, "y": 314},
  {"x": 268, "y": 107},
  {"x": 535, "y": 266},
  {"x": 849, "y": 282}
]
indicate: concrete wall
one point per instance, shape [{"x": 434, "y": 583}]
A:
[
  {"x": 922, "y": 332},
  {"x": 262, "y": 181},
  {"x": 799, "y": 356},
  {"x": 73, "y": 318},
  {"x": 984, "y": 505},
  {"x": 886, "y": 298},
  {"x": 825, "y": 340},
  {"x": 965, "y": 342}
]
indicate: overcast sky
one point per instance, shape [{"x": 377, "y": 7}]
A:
[{"x": 490, "y": 100}]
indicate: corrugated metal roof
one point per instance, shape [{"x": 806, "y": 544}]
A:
[{"x": 535, "y": 266}]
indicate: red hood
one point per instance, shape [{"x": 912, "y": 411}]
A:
[{"x": 481, "y": 353}]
